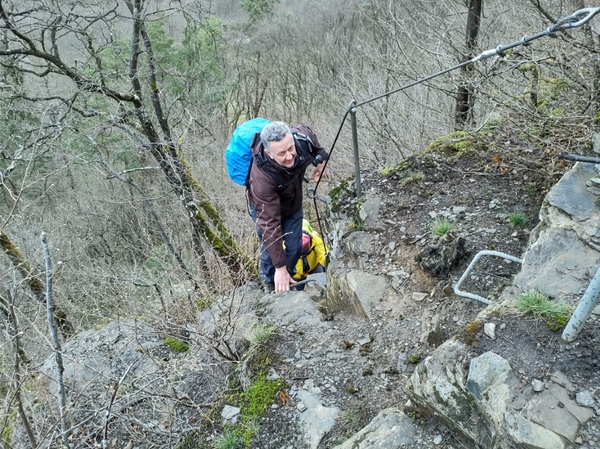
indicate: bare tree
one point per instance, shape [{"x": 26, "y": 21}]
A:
[{"x": 37, "y": 34}]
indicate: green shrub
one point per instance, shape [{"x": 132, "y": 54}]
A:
[
  {"x": 412, "y": 177},
  {"x": 414, "y": 358},
  {"x": 458, "y": 142},
  {"x": 260, "y": 396}
]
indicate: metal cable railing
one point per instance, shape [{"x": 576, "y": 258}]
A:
[{"x": 577, "y": 19}]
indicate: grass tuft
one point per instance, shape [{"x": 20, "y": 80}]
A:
[
  {"x": 350, "y": 422},
  {"x": 518, "y": 219},
  {"x": 555, "y": 314},
  {"x": 228, "y": 440},
  {"x": 261, "y": 334},
  {"x": 442, "y": 226}
]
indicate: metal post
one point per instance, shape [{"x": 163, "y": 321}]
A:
[
  {"x": 355, "y": 145},
  {"x": 591, "y": 297}
]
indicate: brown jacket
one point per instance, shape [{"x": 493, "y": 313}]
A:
[{"x": 275, "y": 191}]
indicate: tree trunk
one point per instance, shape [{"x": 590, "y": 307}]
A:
[
  {"x": 36, "y": 285},
  {"x": 465, "y": 99}
]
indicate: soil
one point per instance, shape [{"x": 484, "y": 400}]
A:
[{"x": 477, "y": 190}]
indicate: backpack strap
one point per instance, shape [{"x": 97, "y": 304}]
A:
[{"x": 304, "y": 141}]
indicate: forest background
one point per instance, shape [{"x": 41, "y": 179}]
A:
[{"x": 116, "y": 114}]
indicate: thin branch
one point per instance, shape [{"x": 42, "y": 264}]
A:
[
  {"x": 131, "y": 170},
  {"x": 17, "y": 369},
  {"x": 62, "y": 401},
  {"x": 56, "y": 64},
  {"x": 542, "y": 11},
  {"x": 159, "y": 113},
  {"x": 150, "y": 208},
  {"x": 37, "y": 286}
]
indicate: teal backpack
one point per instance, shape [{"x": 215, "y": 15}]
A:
[{"x": 238, "y": 155}]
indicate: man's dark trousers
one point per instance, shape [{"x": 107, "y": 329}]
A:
[{"x": 292, "y": 236}]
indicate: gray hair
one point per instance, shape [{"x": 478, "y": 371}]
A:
[{"x": 273, "y": 132}]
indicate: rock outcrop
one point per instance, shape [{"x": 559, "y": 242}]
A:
[{"x": 480, "y": 398}]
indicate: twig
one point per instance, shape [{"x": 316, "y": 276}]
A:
[
  {"x": 419, "y": 237},
  {"x": 125, "y": 172},
  {"x": 110, "y": 404}
]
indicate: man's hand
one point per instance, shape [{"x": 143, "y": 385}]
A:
[
  {"x": 318, "y": 172},
  {"x": 282, "y": 280}
]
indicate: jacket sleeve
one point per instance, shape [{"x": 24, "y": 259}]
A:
[{"x": 268, "y": 218}]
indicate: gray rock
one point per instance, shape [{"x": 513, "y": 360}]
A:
[
  {"x": 530, "y": 435},
  {"x": 559, "y": 378},
  {"x": 519, "y": 403},
  {"x": 485, "y": 371},
  {"x": 537, "y": 385},
  {"x": 402, "y": 364},
  {"x": 582, "y": 414},
  {"x": 230, "y": 413},
  {"x": 359, "y": 243},
  {"x": 544, "y": 264},
  {"x": 301, "y": 407},
  {"x": 398, "y": 273},
  {"x": 489, "y": 329},
  {"x": 585, "y": 399},
  {"x": 418, "y": 296},
  {"x": 296, "y": 308},
  {"x": 596, "y": 142},
  {"x": 437, "y": 386},
  {"x": 369, "y": 213},
  {"x": 544, "y": 410},
  {"x": 316, "y": 420},
  {"x": 390, "y": 428},
  {"x": 356, "y": 292},
  {"x": 570, "y": 198}
]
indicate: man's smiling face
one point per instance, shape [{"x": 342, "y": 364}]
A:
[{"x": 283, "y": 152}]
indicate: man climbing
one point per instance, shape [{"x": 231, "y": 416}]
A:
[
  {"x": 313, "y": 257},
  {"x": 280, "y": 159}
]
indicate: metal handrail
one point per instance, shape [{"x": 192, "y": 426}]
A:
[{"x": 588, "y": 302}]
